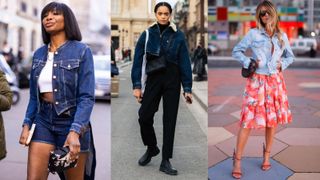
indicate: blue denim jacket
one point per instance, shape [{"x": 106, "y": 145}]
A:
[
  {"x": 260, "y": 44},
  {"x": 177, "y": 53},
  {"x": 72, "y": 83}
]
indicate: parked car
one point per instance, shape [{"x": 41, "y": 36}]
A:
[
  {"x": 102, "y": 76},
  {"x": 11, "y": 78},
  {"x": 213, "y": 49},
  {"x": 302, "y": 46},
  {"x": 23, "y": 73}
]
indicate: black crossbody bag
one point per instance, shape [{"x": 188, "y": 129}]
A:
[{"x": 157, "y": 63}]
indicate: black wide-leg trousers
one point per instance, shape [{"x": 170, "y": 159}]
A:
[{"x": 165, "y": 84}]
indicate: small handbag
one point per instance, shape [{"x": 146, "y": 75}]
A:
[
  {"x": 157, "y": 63},
  {"x": 59, "y": 160},
  {"x": 114, "y": 70},
  {"x": 251, "y": 69}
]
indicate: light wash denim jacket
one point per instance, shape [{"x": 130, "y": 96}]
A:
[
  {"x": 157, "y": 45},
  {"x": 72, "y": 83},
  {"x": 260, "y": 44}
]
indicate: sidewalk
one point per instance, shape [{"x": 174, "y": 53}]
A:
[{"x": 296, "y": 148}]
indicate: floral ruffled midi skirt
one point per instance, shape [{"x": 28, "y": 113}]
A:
[{"x": 265, "y": 102}]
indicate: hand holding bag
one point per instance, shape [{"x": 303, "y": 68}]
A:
[
  {"x": 59, "y": 160},
  {"x": 251, "y": 69}
]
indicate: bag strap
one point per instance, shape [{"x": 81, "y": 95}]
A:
[
  {"x": 144, "y": 63},
  {"x": 146, "y": 41}
]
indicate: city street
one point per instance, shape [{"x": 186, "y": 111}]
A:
[
  {"x": 14, "y": 166},
  {"x": 190, "y": 149},
  {"x": 296, "y": 149}
]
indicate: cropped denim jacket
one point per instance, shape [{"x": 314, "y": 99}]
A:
[
  {"x": 157, "y": 45},
  {"x": 261, "y": 45},
  {"x": 72, "y": 83}
]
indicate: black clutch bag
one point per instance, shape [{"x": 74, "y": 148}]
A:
[
  {"x": 155, "y": 64},
  {"x": 59, "y": 160},
  {"x": 251, "y": 69}
]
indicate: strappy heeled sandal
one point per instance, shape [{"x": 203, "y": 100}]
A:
[
  {"x": 265, "y": 167},
  {"x": 236, "y": 175}
]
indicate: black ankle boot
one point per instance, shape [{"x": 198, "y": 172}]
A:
[
  {"x": 146, "y": 157},
  {"x": 167, "y": 168}
]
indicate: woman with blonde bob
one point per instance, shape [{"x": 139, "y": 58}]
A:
[{"x": 265, "y": 101}]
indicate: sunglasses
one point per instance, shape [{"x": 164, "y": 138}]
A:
[{"x": 263, "y": 13}]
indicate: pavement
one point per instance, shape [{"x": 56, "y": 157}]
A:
[
  {"x": 296, "y": 150},
  {"x": 190, "y": 148}
]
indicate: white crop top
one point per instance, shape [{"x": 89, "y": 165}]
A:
[{"x": 45, "y": 78}]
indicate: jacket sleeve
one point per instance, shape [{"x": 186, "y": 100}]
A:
[
  {"x": 287, "y": 56},
  {"x": 85, "y": 93},
  {"x": 185, "y": 67},
  {"x": 240, "y": 48},
  {"x": 5, "y": 93},
  {"x": 32, "y": 105},
  {"x": 137, "y": 62}
]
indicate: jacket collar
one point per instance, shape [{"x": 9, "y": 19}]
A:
[{"x": 172, "y": 25}]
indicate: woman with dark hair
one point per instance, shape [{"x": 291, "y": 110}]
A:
[
  {"x": 61, "y": 94},
  {"x": 162, "y": 40},
  {"x": 265, "y": 101}
]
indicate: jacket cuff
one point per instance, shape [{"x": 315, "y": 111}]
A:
[
  {"x": 75, "y": 127},
  {"x": 187, "y": 90},
  {"x": 27, "y": 121},
  {"x": 136, "y": 86}
]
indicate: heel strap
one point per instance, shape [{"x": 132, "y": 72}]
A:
[{"x": 235, "y": 158}]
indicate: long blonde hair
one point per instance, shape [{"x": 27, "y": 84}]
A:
[{"x": 272, "y": 11}]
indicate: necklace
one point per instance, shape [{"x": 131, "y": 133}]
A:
[{"x": 54, "y": 48}]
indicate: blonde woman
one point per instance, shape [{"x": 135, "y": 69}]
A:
[{"x": 265, "y": 102}]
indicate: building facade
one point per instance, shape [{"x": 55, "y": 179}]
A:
[
  {"x": 20, "y": 25},
  {"x": 230, "y": 20},
  {"x": 312, "y": 15},
  {"x": 94, "y": 23},
  {"x": 193, "y": 21},
  {"x": 129, "y": 18}
]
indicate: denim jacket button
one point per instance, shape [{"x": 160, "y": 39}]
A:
[
  {"x": 54, "y": 77},
  {"x": 56, "y": 52},
  {"x": 57, "y": 102},
  {"x": 69, "y": 66},
  {"x": 55, "y": 90},
  {"x": 54, "y": 65}
]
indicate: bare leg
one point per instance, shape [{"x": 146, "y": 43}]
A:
[
  {"x": 77, "y": 173},
  {"x": 241, "y": 142},
  {"x": 38, "y": 159},
  {"x": 269, "y": 140}
]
